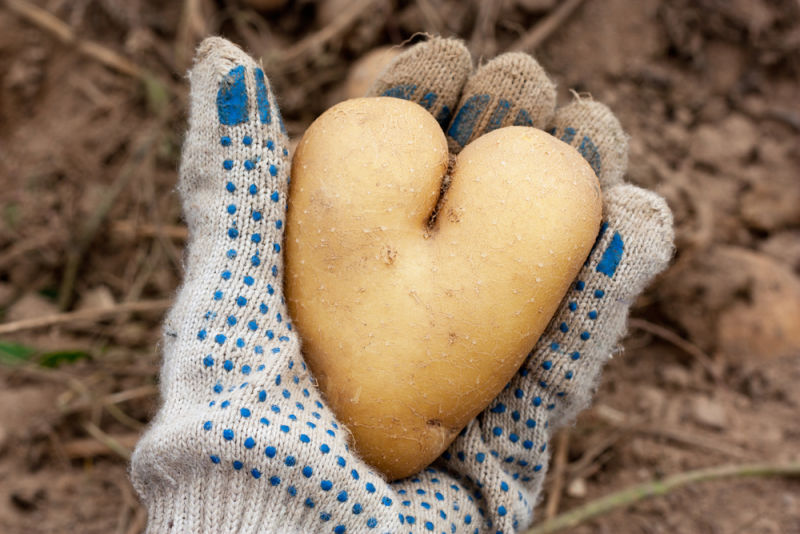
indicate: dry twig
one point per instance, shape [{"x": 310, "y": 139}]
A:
[
  {"x": 314, "y": 42},
  {"x": 94, "y": 222},
  {"x": 639, "y": 492},
  {"x": 91, "y": 447},
  {"x": 132, "y": 230},
  {"x": 688, "y": 347},
  {"x": 557, "y": 474},
  {"x": 592, "y": 458},
  {"x": 546, "y": 27},
  {"x": 123, "y": 418},
  {"x": 24, "y": 246},
  {"x": 130, "y": 394},
  {"x": 482, "y": 43},
  {"x": 433, "y": 21},
  {"x": 62, "y": 31},
  {"x": 193, "y": 25},
  {"x": 109, "y": 402},
  {"x": 84, "y": 315},
  {"x": 694, "y": 439},
  {"x": 111, "y": 443}
]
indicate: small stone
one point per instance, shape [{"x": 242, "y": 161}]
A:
[
  {"x": 577, "y": 488},
  {"x": 725, "y": 63},
  {"x": 785, "y": 247},
  {"x": 97, "y": 298},
  {"x": 676, "y": 376},
  {"x": 710, "y": 413},
  {"x": 131, "y": 334},
  {"x": 651, "y": 400},
  {"x": 29, "y": 306},
  {"x": 729, "y": 141},
  {"x": 771, "y": 205},
  {"x": 738, "y": 303},
  {"x": 764, "y": 323}
]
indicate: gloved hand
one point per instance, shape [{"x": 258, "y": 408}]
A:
[{"x": 243, "y": 441}]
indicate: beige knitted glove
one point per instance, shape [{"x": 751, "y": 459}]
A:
[{"x": 243, "y": 442}]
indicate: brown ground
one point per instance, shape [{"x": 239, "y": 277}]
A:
[{"x": 707, "y": 89}]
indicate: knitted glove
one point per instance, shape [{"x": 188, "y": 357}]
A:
[
  {"x": 243, "y": 442},
  {"x": 503, "y": 452}
]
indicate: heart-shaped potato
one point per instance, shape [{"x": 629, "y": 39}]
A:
[{"x": 411, "y": 323}]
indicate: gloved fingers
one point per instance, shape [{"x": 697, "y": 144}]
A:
[
  {"x": 510, "y": 90},
  {"x": 508, "y": 442},
  {"x": 430, "y": 73},
  {"x": 242, "y": 431},
  {"x": 593, "y": 130},
  {"x": 234, "y": 124},
  {"x": 243, "y": 440},
  {"x": 434, "y": 500},
  {"x": 233, "y": 183},
  {"x": 635, "y": 243},
  {"x": 504, "y": 481}
]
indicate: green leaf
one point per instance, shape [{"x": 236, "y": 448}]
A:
[
  {"x": 14, "y": 353},
  {"x": 56, "y": 358},
  {"x": 11, "y": 215},
  {"x": 156, "y": 95},
  {"x": 50, "y": 293}
]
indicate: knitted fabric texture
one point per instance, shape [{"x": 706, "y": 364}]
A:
[
  {"x": 601, "y": 141},
  {"x": 430, "y": 74},
  {"x": 244, "y": 443},
  {"x": 510, "y": 90}
]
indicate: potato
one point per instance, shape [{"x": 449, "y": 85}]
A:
[{"x": 412, "y": 328}]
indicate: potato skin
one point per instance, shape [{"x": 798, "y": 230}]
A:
[{"x": 411, "y": 331}]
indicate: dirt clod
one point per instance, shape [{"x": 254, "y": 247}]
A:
[{"x": 709, "y": 412}]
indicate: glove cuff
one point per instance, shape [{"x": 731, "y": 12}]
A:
[{"x": 206, "y": 501}]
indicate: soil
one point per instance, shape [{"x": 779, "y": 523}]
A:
[{"x": 708, "y": 91}]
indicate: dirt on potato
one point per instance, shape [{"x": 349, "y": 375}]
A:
[{"x": 92, "y": 106}]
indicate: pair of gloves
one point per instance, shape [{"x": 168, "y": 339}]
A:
[{"x": 243, "y": 442}]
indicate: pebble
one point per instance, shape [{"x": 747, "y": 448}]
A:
[
  {"x": 676, "y": 376},
  {"x": 577, "y": 488},
  {"x": 29, "y": 306},
  {"x": 709, "y": 412}
]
